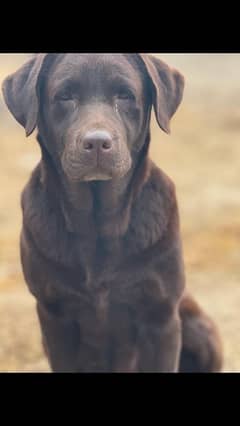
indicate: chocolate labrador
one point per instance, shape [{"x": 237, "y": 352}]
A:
[{"x": 100, "y": 244}]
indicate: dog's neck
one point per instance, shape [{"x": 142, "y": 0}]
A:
[{"x": 102, "y": 206}]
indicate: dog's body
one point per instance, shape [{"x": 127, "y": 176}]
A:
[{"x": 100, "y": 245}]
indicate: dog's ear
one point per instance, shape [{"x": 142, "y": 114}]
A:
[
  {"x": 167, "y": 89},
  {"x": 20, "y": 93}
]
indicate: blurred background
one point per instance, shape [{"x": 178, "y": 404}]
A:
[{"x": 202, "y": 156}]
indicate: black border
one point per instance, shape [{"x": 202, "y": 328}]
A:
[
  {"x": 154, "y": 35},
  {"x": 187, "y": 396},
  {"x": 120, "y": 27}
]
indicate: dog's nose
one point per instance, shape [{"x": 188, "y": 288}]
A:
[{"x": 97, "y": 140}]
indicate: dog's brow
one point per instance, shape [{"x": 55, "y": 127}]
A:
[
  {"x": 122, "y": 81},
  {"x": 112, "y": 81},
  {"x": 66, "y": 84}
]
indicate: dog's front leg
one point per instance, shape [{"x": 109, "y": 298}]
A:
[
  {"x": 150, "y": 344},
  {"x": 146, "y": 334},
  {"x": 160, "y": 345},
  {"x": 61, "y": 340}
]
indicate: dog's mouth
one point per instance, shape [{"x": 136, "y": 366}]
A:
[
  {"x": 96, "y": 175},
  {"x": 78, "y": 171}
]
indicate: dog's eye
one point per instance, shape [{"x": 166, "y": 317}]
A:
[
  {"x": 65, "y": 96},
  {"x": 125, "y": 95}
]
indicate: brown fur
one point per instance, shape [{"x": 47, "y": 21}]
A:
[
  {"x": 103, "y": 257},
  {"x": 202, "y": 346}
]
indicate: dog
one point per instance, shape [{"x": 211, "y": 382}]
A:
[{"x": 100, "y": 244}]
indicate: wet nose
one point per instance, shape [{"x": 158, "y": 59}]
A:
[{"x": 97, "y": 140}]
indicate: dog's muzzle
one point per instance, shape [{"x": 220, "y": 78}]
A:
[{"x": 96, "y": 155}]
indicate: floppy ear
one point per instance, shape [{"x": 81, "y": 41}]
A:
[
  {"x": 20, "y": 94},
  {"x": 167, "y": 89}
]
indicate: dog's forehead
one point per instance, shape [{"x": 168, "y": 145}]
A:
[{"x": 77, "y": 65}]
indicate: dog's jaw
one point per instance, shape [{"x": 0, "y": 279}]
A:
[{"x": 96, "y": 177}]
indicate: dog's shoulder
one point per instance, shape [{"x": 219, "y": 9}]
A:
[
  {"x": 154, "y": 210},
  {"x": 40, "y": 216},
  {"x": 160, "y": 183},
  {"x": 31, "y": 194}
]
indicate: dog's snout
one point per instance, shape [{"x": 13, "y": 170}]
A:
[
  {"x": 96, "y": 154},
  {"x": 97, "y": 140}
]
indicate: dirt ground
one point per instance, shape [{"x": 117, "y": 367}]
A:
[{"x": 202, "y": 155}]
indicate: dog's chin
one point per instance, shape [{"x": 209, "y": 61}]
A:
[
  {"x": 104, "y": 175},
  {"x": 96, "y": 176}
]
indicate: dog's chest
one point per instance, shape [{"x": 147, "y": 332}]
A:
[
  {"x": 102, "y": 262},
  {"x": 99, "y": 263},
  {"x": 102, "y": 277}
]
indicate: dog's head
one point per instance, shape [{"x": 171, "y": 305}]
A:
[{"x": 93, "y": 110}]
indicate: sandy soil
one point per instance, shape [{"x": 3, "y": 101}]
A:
[{"x": 202, "y": 155}]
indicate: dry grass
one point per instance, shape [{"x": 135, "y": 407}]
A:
[{"x": 202, "y": 156}]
